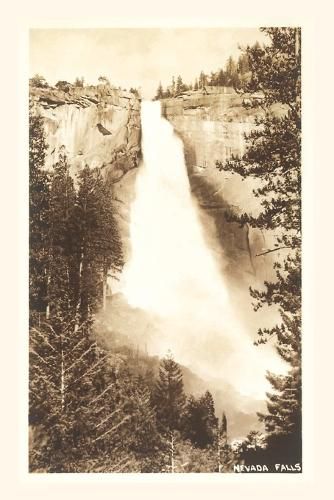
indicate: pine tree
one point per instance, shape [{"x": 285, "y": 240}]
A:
[
  {"x": 103, "y": 80},
  {"x": 160, "y": 92},
  {"x": 283, "y": 420},
  {"x": 179, "y": 85},
  {"x": 192, "y": 421},
  {"x": 221, "y": 77},
  {"x": 79, "y": 409},
  {"x": 61, "y": 296},
  {"x": 169, "y": 397},
  {"x": 76, "y": 400},
  {"x": 108, "y": 249},
  {"x": 243, "y": 64},
  {"x": 221, "y": 441},
  {"x": 39, "y": 183},
  {"x": 144, "y": 421},
  {"x": 79, "y": 82},
  {"x": 226, "y": 456},
  {"x": 38, "y": 81},
  {"x": 63, "y": 85},
  {"x": 213, "y": 78},
  {"x": 202, "y": 80},
  {"x": 199, "y": 421},
  {"x": 173, "y": 89},
  {"x": 208, "y": 403},
  {"x": 169, "y": 401},
  {"x": 167, "y": 93},
  {"x": 252, "y": 450},
  {"x": 273, "y": 157},
  {"x": 196, "y": 84},
  {"x": 98, "y": 240},
  {"x": 231, "y": 72}
]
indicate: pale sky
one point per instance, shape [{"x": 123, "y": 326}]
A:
[{"x": 134, "y": 57}]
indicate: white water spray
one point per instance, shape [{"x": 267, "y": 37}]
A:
[{"x": 172, "y": 273}]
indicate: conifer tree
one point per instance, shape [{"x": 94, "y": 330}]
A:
[
  {"x": 98, "y": 242},
  {"x": 213, "y": 78},
  {"x": 243, "y": 64},
  {"x": 251, "y": 451},
  {"x": 202, "y": 80},
  {"x": 179, "y": 85},
  {"x": 169, "y": 397},
  {"x": 199, "y": 421},
  {"x": 169, "y": 401},
  {"x": 160, "y": 92},
  {"x": 61, "y": 240},
  {"x": 39, "y": 183},
  {"x": 221, "y": 77},
  {"x": 76, "y": 404},
  {"x": 79, "y": 82},
  {"x": 144, "y": 421},
  {"x": 38, "y": 81},
  {"x": 173, "y": 89},
  {"x": 231, "y": 72},
  {"x": 76, "y": 400},
  {"x": 192, "y": 420},
  {"x": 273, "y": 157},
  {"x": 211, "y": 419},
  {"x": 226, "y": 456}
]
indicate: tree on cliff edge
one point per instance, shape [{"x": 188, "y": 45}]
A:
[
  {"x": 38, "y": 81},
  {"x": 273, "y": 157},
  {"x": 160, "y": 92}
]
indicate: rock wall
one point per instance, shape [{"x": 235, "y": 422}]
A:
[
  {"x": 97, "y": 126},
  {"x": 212, "y": 127}
]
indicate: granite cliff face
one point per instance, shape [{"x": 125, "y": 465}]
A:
[
  {"x": 97, "y": 126},
  {"x": 100, "y": 126},
  {"x": 212, "y": 127}
]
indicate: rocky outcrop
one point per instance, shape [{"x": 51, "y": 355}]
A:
[
  {"x": 212, "y": 127},
  {"x": 97, "y": 126}
]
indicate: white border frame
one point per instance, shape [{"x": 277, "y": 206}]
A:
[{"x": 17, "y": 477}]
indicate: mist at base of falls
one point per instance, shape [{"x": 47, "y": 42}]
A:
[{"x": 173, "y": 276}]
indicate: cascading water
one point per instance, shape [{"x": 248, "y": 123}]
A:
[{"x": 172, "y": 273}]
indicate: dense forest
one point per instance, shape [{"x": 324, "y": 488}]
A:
[{"x": 89, "y": 411}]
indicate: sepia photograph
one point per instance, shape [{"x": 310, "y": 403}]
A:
[{"x": 165, "y": 236}]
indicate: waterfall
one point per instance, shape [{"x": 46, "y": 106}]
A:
[{"x": 172, "y": 273}]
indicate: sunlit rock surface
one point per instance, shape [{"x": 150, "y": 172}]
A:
[
  {"x": 97, "y": 126},
  {"x": 213, "y": 127}
]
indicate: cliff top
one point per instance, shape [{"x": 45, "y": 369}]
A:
[{"x": 82, "y": 96}]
